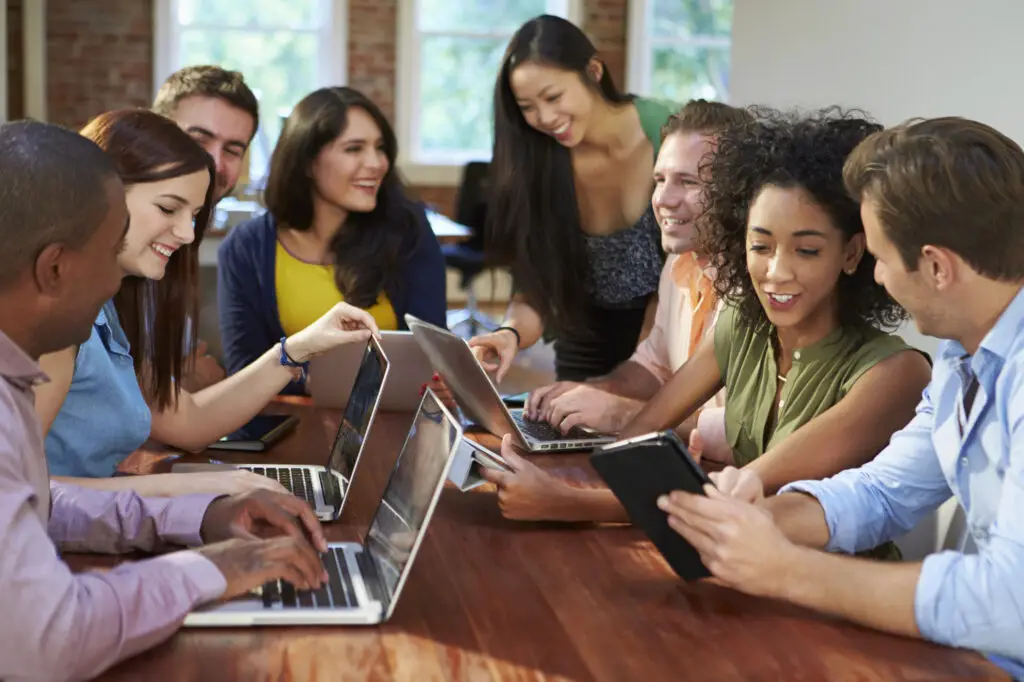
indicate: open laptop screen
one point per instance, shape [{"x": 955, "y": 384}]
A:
[
  {"x": 408, "y": 498},
  {"x": 366, "y": 391}
]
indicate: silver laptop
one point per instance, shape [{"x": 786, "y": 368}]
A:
[
  {"x": 331, "y": 374},
  {"x": 325, "y": 488},
  {"x": 479, "y": 400},
  {"x": 366, "y": 578}
]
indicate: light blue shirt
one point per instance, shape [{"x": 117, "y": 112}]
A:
[
  {"x": 104, "y": 418},
  {"x": 974, "y": 601}
]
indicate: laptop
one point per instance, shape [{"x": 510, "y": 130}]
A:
[
  {"x": 325, "y": 488},
  {"x": 480, "y": 401},
  {"x": 366, "y": 578},
  {"x": 331, "y": 374}
]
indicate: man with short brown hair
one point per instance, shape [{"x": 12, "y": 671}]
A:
[
  {"x": 218, "y": 110},
  {"x": 942, "y": 202}
]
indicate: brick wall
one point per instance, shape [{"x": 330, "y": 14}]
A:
[{"x": 100, "y": 57}]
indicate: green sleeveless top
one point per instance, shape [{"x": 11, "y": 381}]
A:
[{"x": 821, "y": 375}]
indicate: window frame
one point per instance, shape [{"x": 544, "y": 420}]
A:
[
  {"x": 437, "y": 171},
  {"x": 332, "y": 63},
  {"x": 640, "y": 46}
]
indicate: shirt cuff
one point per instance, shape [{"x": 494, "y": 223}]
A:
[
  {"x": 840, "y": 538},
  {"x": 927, "y": 597},
  {"x": 183, "y": 518},
  {"x": 209, "y": 582}
]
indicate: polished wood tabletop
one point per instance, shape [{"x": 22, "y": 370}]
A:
[{"x": 492, "y": 599}]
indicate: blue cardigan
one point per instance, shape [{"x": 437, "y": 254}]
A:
[{"x": 247, "y": 290}]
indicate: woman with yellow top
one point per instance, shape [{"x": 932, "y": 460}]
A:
[
  {"x": 338, "y": 227},
  {"x": 814, "y": 383}
]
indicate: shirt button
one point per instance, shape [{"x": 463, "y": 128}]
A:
[
  {"x": 963, "y": 461},
  {"x": 781, "y": 403},
  {"x": 796, "y": 355}
]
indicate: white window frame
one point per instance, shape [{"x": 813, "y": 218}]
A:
[
  {"x": 435, "y": 172},
  {"x": 332, "y": 65},
  {"x": 640, "y": 46}
]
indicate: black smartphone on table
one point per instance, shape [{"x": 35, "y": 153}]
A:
[
  {"x": 642, "y": 469},
  {"x": 259, "y": 434}
]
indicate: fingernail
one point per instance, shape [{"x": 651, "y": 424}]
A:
[
  {"x": 423, "y": 389},
  {"x": 663, "y": 501},
  {"x": 437, "y": 377}
]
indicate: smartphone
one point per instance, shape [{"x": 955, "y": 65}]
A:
[{"x": 259, "y": 434}]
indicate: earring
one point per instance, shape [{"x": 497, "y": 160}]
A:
[{"x": 850, "y": 271}]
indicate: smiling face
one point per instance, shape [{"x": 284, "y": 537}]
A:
[
  {"x": 555, "y": 101},
  {"x": 223, "y": 130},
  {"x": 348, "y": 172},
  {"x": 162, "y": 221},
  {"x": 678, "y": 190},
  {"x": 795, "y": 256}
]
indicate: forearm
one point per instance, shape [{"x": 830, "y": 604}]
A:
[
  {"x": 876, "y": 594},
  {"x": 629, "y": 380},
  {"x": 61, "y": 626},
  {"x": 204, "y": 417},
  {"x": 525, "y": 320},
  {"x": 90, "y": 520},
  {"x": 149, "y": 485},
  {"x": 598, "y": 505},
  {"x": 800, "y": 518}
]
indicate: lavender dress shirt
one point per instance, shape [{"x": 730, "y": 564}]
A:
[{"x": 56, "y": 625}]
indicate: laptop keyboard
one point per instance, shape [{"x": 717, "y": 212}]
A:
[
  {"x": 339, "y": 591},
  {"x": 543, "y": 431},
  {"x": 297, "y": 480}
]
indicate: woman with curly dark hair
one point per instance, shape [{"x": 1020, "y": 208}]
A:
[{"x": 814, "y": 382}]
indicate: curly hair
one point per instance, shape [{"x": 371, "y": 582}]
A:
[{"x": 789, "y": 149}]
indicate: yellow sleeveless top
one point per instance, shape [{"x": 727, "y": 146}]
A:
[{"x": 305, "y": 291}]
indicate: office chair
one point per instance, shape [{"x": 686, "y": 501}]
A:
[{"x": 468, "y": 257}]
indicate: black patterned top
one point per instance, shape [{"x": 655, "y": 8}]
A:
[{"x": 624, "y": 267}]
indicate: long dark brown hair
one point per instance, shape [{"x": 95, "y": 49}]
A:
[
  {"x": 159, "y": 317},
  {"x": 368, "y": 250},
  {"x": 533, "y": 225}
]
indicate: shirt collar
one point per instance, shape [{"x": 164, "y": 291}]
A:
[
  {"x": 16, "y": 366},
  {"x": 1000, "y": 338}
]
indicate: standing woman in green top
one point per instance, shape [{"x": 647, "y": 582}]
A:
[
  {"x": 814, "y": 384},
  {"x": 570, "y": 210}
]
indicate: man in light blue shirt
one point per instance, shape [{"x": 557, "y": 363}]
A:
[{"x": 943, "y": 207}]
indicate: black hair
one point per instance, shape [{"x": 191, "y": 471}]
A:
[
  {"x": 369, "y": 249},
  {"x": 54, "y": 190},
  {"x": 789, "y": 149},
  {"x": 533, "y": 224}
]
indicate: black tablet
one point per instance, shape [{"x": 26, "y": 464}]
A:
[
  {"x": 642, "y": 469},
  {"x": 259, "y": 434}
]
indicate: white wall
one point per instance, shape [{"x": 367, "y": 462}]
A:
[{"x": 895, "y": 59}]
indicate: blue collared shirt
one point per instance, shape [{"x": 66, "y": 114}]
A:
[
  {"x": 104, "y": 418},
  {"x": 974, "y": 601}
]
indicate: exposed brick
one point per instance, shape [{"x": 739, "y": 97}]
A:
[{"x": 100, "y": 57}]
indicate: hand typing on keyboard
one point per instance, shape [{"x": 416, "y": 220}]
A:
[
  {"x": 245, "y": 560},
  {"x": 249, "y": 564},
  {"x": 225, "y": 482}
]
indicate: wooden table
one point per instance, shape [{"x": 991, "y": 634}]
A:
[{"x": 490, "y": 599}]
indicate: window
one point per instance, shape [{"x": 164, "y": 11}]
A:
[
  {"x": 679, "y": 49},
  {"x": 285, "y": 48},
  {"x": 449, "y": 54}
]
